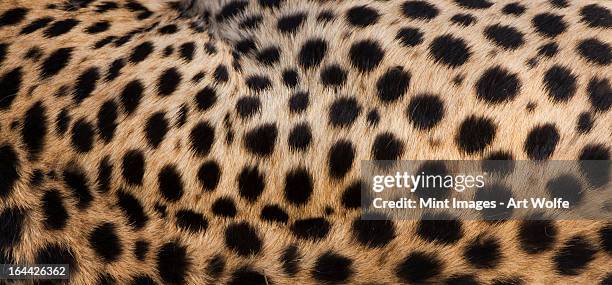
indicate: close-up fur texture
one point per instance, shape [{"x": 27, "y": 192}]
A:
[{"x": 220, "y": 141}]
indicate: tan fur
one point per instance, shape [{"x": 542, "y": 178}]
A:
[{"x": 369, "y": 265}]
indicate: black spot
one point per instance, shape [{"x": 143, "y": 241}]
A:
[
  {"x": 114, "y": 70},
  {"x": 261, "y": 140},
  {"x": 247, "y": 106},
  {"x": 274, "y": 214},
  {"x": 258, "y": 83},
  {"x": 221, "y": 74},
  {"x": 311, "y": 229},
  {"x": 60, "y": 27},
  {"x": 333, "y": 76},
  {"x": 392, "y": 85},
  {"x": 325, "y": 16},
  {"x": 290, "y": 78},
  {"x": 483, "y": 252},
  {"x": 290, "y": 260},
  {"x": 605, "y": 236},
  {"x": 549, "y": 25},
  {"x": 332, "y": 268},
  {"x": 365, "y": 55},
  {"x": 298, "y": 102},
  {"x": 420, "y": 10},
  {"x": 251, "y": 23},
  {"x": 268, "y": 56},
  {"x": 206, "y": 98},
  {"x": 12, "y": 226},
  {"x": 156, "y": 128},
  {"x": 560, "y": 83},
  {"x": 133, "y": 167},
  {"x": 373, "y": 117},
  {"x": 168, "y": 51},
  {"x": 224, "y": 207},
  {"x": 13, "y": 16},
  {"x": 55, "y": 62},
  {"x": 186, "y": 51},
  {"x": 596, "y": 16},
  {"x": 536, "y": 236},
  {"x": 34, "y": 53},
  {"x": 62, "y": 121},
  {"x": 98, "y": 27},
  {"x": 600, "y": 94},
  {"x": 497, "y": 85},
  {"x": 216, "y": 266},
  {"x": 34, "y": 129},
  {"x": 191, "y": 221},
  {"x": 105, "y": 172},
  {"x": 246, "y": 275},
  {"x": 409, "y": 37},
  {"x": 595, "y": 51},
  {"x": 387, "y": 147},
  {"x": 132, "y": 209},
  {"x": 269, "y": 4},
  {"x": 574, "y": 256},
  {"x": 312, "y": 53},
  {"x": 566, "y": 187},
  {"x": 107, "y": 116},
  {"x": 475, "y": 134},
  {"x": 374, "y": 233},
  {"x": 168, "y": 29},
  {"x": 143, "y": 280},
  {"x": 130, "y": 96},
  {"x": 418, "y": 267},
  {"x": 168, "y": 81},
  {"x": 182, "y": 115},
  {"x": 170, "y": 183},
  {"x": 173, "y": 263},
  {"x": 300, "y": 137},
  {"x": 474, "y": 4},
  {"x": 141, "y": 52},
  {"x": 82, "y": 136},
  {"x": 76, "y": 180},
  {"x": 584, "y": 123},
  {"x": 209, "y": 175},
  {"x": 351, "y": 196},
  {"x": 105, "y": 242},
  {"x": 344, "y": 111},
  {"x": 548, "y": 50},
  {"x": 141, "y": 247},
  {"x": 3, "y": 51},
  {"x": 36, "y": 25},
  {"x": 202, "y": 137},
  {"x": 598, "y": 174},
  {"x": 507, "y": 37},
  {"x": 449, "y": 50},
  {"x": 462, "y": 279},
  {"x": 243, "y": 239},
  {"x": 440, "y": 228},
  {"x": 106, "y": 279},
  {"x": 362, "y": 16},
  {"x": 57, "y": 254},
  {"x": 464, "y": 20},
  {"x": 425, "y": 111},
  {"x": 298, "y": 186},
  {"x": 10, "y": 83},
  {"x": 541, "y": 142},
  {"x": 231, "y": 10},
  {"x": 340, "y": 158},
  {"x": 291, "y": 23},
  {"x": 251, "y": 183},
  {"x": 245, "y": 45},
  {"x": 515, "y": 9}
]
